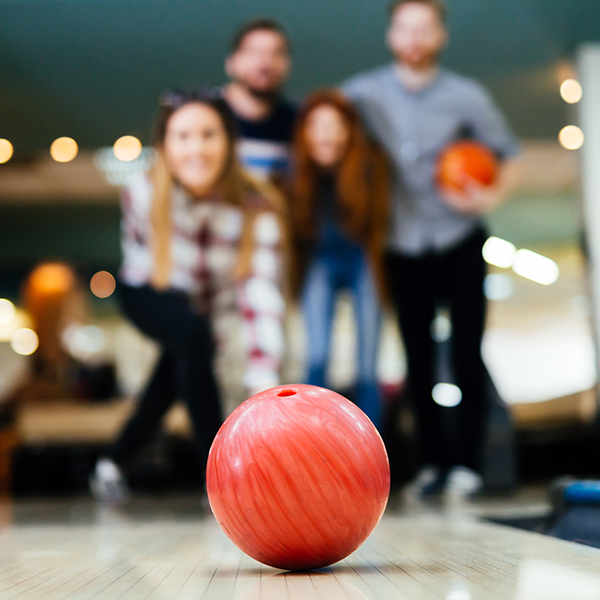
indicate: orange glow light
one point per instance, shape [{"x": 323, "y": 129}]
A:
[
  {"x": 6, "y": 151},
  {"x": 102, "y": 284},
  {"x": 64, "y": 149},
  {"x": 52, "y": 278},
  {"x": 127, "y": 148}
]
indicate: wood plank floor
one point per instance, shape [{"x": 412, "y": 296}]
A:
[{"x": 162, "y": 549}]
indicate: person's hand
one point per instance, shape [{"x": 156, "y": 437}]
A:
[{"x": 475, "y": 199}]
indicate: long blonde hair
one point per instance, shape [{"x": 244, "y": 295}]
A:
[{"x": 239, "y": 189}]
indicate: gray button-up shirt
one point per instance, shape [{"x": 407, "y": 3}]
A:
[{"x": 414, "y": 127}]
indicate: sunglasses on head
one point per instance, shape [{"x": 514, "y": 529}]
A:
[{"x": 177, "y": 98}]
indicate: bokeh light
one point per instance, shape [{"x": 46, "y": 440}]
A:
[
  {"x": 571, "y": 91},
  {"x": 441, "y": 329},
  {"x": 24, "y": 341},
  {"x": 536, "y": 267},
  {"x": 85, "y": 343},
  {"x": 571, "y": 137},
  {"x": 6, "y": 151},
  {"x": 102, "y": 284},
  {"x": 127, "y": 148},
  {"x": 447, "y": 395},
  {"x": 497, "y": 286},
  {"x": 21, "y": 320},
  {"x": 51, "y": 279},
  {"x": 498, "y": 252},
  {"x": 7, "y": 311},
  {"x": 64, "y": 149}
]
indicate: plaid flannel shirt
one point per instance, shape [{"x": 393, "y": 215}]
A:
[{"x": 205, "y": 245}]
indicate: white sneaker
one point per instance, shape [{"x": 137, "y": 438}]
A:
[
  {"x": 429, "y": 481},
  {"x": 463, "y": 482},
  {"x": 107, "y": 483}
]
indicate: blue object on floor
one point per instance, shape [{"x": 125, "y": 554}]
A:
[
  {"x": 576, "y": 516},
  {"x": 582, "y": 492}
]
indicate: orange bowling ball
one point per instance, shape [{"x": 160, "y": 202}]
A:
[
  {"x": 464, "y": 161},
  {"x": 298, "y": 477}
]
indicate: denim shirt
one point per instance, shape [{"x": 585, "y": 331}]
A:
[{"x": 332, "y": 240}]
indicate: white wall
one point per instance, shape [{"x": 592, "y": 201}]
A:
[{"x": 589, "y": 116}]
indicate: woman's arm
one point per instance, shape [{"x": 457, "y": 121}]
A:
[
  {"x": 261, "y": 304},
  {"x": 135, "y": 232}
]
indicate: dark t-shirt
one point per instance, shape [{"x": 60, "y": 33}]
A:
[{"x": 264, "y": 146}]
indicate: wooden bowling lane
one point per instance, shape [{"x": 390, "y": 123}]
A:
[{"x": 164, "y": 550}]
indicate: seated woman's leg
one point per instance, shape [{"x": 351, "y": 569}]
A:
[
  {"x": 368, "y": 325},
  {"x": 156, "y": 399},
  {"x": 197, "y": 382},
  {"x": 317, "y": 308},
  {"x": 186, "y": 336}
]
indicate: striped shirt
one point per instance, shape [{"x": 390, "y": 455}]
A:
[
  {"x": 205, "y": 246},
  {"x": 264, "y": 146}
]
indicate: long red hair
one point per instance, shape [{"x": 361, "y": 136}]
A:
[{"x": 361, "y": 180}]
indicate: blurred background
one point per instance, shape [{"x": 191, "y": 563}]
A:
[{"x": 78, "y": 86}]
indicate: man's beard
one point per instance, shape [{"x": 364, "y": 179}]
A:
[
  {"x": 266, "y": 95},
  {"x": 426, "y": 61}
]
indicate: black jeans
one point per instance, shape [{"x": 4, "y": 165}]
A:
[
  {"x": 184, "y": 369},
  {"x": 418, "y": 285}
]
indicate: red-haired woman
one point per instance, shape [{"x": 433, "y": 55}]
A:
[
  {"x": 200, "y": 240},
  {"x": 339, "y": 201}
]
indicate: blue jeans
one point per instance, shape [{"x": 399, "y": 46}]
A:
[{"x": 326, "y": 276}]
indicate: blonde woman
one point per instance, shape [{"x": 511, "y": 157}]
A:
[{"x": 200, "y": 238}]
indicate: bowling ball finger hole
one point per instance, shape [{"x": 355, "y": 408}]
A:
[{"x": 285, "y": 393}]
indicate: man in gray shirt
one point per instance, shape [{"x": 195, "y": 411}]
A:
[{"x": 414, "y": 109}]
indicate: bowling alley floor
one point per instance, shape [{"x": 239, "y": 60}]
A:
[{"x": 170, "y": 547}]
